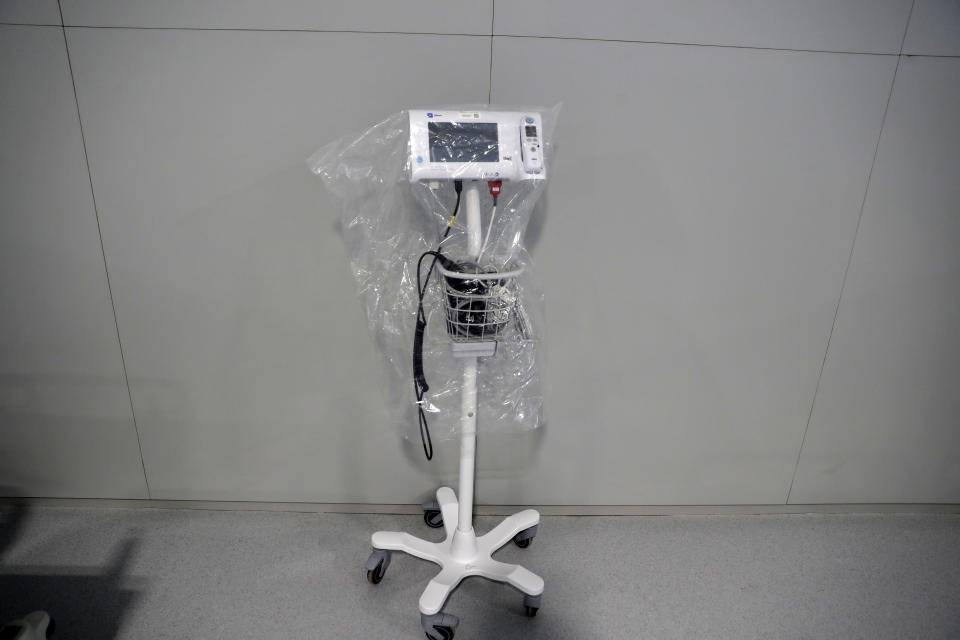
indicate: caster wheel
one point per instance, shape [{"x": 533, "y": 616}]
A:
[
  {"x": 443, "y": 633},
  {"x": 531, "y": 604},
  {"x": 439, "y": 626},
  {"x": 433, "y": 519},
  {"x": 374, "y": 576},
  {"x": 377, "y": 565},
  {"x": 525, "y": 537}
]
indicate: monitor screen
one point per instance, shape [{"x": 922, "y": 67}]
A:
[{"x": 463, "y": 142}]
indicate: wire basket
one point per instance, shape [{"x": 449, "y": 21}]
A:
[{"x": 479, "y": 305}]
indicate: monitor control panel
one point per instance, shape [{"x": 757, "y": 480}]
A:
[{"x": 532, "y": 147}]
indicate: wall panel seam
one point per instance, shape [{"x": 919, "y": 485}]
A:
[
  {"x": 493, "y": 17},
  {"x": 853, "y": 244},
  {"x": 30, "y": 24},
  {"x": 265, "y": 30},
  {"x": 96, "y": 213},
  {"x": 491, "y": 35},
  {"x": 677, "y": 43}
]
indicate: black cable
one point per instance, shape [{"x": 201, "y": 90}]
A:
[{"x": 420, "y": 386}]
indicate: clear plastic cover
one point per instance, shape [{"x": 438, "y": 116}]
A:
[{"x": 392, "y": 213}]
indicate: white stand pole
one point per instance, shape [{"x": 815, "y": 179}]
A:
[
  {"x": 468, "y": 444},
  {"x": 462, "y": 554},
  {"x": 471, "y": 201},
  {"x": 468, "y": 407}
]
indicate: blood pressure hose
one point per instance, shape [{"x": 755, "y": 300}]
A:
[{"x": 420, "y": 386}]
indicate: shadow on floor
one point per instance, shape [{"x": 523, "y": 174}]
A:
[{"x": 86, "y": 602}]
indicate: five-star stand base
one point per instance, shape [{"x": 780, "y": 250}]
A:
[{"x": 461, "y": 555}]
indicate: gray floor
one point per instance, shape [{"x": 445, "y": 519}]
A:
[{"x": 151, "y": 573}]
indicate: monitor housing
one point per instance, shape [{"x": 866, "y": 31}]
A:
[{"x": 449, "y": 144}]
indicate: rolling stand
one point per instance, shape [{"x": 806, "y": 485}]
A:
[{"x": 475, "y": 314}]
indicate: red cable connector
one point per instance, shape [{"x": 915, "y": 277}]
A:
[{"x": 495, "y": 187}]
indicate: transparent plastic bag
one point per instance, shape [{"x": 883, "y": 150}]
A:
[{"x": 389, "y": 221}]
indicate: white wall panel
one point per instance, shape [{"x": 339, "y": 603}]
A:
[
  {"x": 693, "y": 245},
  {"x": 697, "y": 227},
  {"x": 65, "y": 422},
  {"x": 29, "y": 12},
  {"x": 934, "y": 28},
  {"x": 252, "y": 373},
  {"x": 886, "y": 425},
  {"x": 422, "y": 16},
  {"x": 867, "y": 26}
]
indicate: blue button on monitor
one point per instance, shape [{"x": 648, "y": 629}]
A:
[
  {"x": 419, "y": 158},
  {"x": 529, "y": 120}
]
